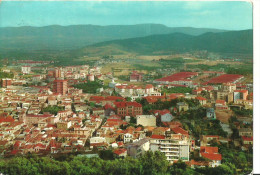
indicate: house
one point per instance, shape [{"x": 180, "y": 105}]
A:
[
  {"x": 146, "y": 120},
  {"x": 165, "y": 114},
  {"x": 247, "y": 140},
  {"x": 202, "y": 100},
  {"x": 99, "y": 111},
  {"x": 182, "y": 106},
  {"x": 138, "y": 148},
  {"x": 211, "y": 113},
  {"x": 121, "y": 152},
  {"x": 128, "y": 138},
  {"x": 136, "y": 76},
  {"x": 198, "y": 164},
  {"x": 245, "y": 132},
  {"x": 97, "y": 141},
  {"x": 212, "y": 154},
  {"x": 205, "y": 139}
]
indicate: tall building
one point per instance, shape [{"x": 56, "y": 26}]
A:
[
  {"x": 6, "y": 82},
  {"x": 60, "y": 86},
  {"x": 57, "y": 73},
  {"x": 174, "y": 150}
]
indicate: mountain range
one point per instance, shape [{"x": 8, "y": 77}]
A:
[
  {"x": 57, "y": 37},
  {"x": 148, "y": 39},
  {"x": 231, "y": 42}
]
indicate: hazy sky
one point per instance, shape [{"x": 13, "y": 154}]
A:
[{"x": 223, "y": 15}]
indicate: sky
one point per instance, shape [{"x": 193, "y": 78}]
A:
[{"x": 230, "y": 15}]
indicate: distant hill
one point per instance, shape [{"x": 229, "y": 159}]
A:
[
  {"x": 57, "y": 37},
  {"x": 234, "y": 42}
]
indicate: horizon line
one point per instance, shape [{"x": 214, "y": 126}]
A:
[{"x": 123, "y": 25}]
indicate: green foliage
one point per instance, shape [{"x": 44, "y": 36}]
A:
[
  {"x": 243, "y": 112},
  {"x": 177, "y": 90},
  {"x": 124, "y": 77},
  {"x": 149, "y": 163},
  {"x": 53, "y": 109},
  {"x": 106, "y": 155},
  {"x": 243, "y": 69},
  {"x": 89, "y": 87},
  {"x": 128, "y": 99},
  {"x": 6, "y": 75}
]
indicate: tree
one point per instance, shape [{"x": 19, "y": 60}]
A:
[{"x": 154, "y": 162}]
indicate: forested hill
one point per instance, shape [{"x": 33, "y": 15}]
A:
[
  {"x": 77, "y": 36},
  {"x": 237, "y": 42}
]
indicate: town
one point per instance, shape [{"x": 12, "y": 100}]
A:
[{"x": 199, "y": 117}]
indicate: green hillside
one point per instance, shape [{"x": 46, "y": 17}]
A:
[
  {"x": 57, "y": 37},
  {"x": 235, "y": 42}
]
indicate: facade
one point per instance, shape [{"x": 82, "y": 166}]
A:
[
  {"x": 146, "y": 120},
  {"x": 182, "y": 106},
  {"x": 211, "y": 113},
  {"x": 6, "y": 82},
  {"x": 60, "y": 86},
  {"x": 26, "y": 69},
  {"x": 135, "y": 76},
  {"x": 174, "y": 150},
  {"x": 138, "y": 148},
  {"x": 57, "y": 73},
  {"x": 31, "y": 119},
  {"x": 128, "y": 108},
  {"x": 212, "y": 154}
]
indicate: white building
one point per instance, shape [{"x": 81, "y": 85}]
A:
[
  {"x": 146, "y": 120},
  {"x": 174, "y": 150},
  {"x": 26, "y": 69},
  {"x": 138, "y": 148}
]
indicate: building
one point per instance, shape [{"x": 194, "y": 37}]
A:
[
  {"x": 31, "y": 119},
  {"x": 128, "y": 108},
  {"x": 211, "y": 113},
  {"x": 212, "y": 154},
  {"x": 226, "y": 78},
  {"x": 26, "y": 69},
  {"x": 60, "y": 86},
  {"x": 146, "y": 120},
  {"x": 225, "y": 95},
  {"x": 240, "y": 94},
  {"x": 91, "y": 77},
  {"x": 57, "y": 73},
  {"x": 6, "y": 82},
  {"x": 230, "y": 87},
  {"x": 182, "y": 106},
  {"x": 202, "y": 100},
  {"x": 181, "y": 78},
  {"x": 174, "y": 150},
  {"x": 138, "y": 148},
  {"x": 247, "y": 140},
  {"x": 245, "y": 132},
  {"x": 135, "y": 76}
]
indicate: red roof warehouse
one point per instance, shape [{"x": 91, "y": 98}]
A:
[{"x": 226, "y": 78}]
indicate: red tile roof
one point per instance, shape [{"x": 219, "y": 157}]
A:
[
  {"x": 201, "y": 98},
  {"x": 226, "y": 78},
  {"x": 125, "y": 104},
  {"x": 158, "y": 137},
  {"x": 119, "y": 151},
  {"x": 247, "y": 138},
  {"x": 179, "y": 130},
  {"x": 210, "y": 153}
]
